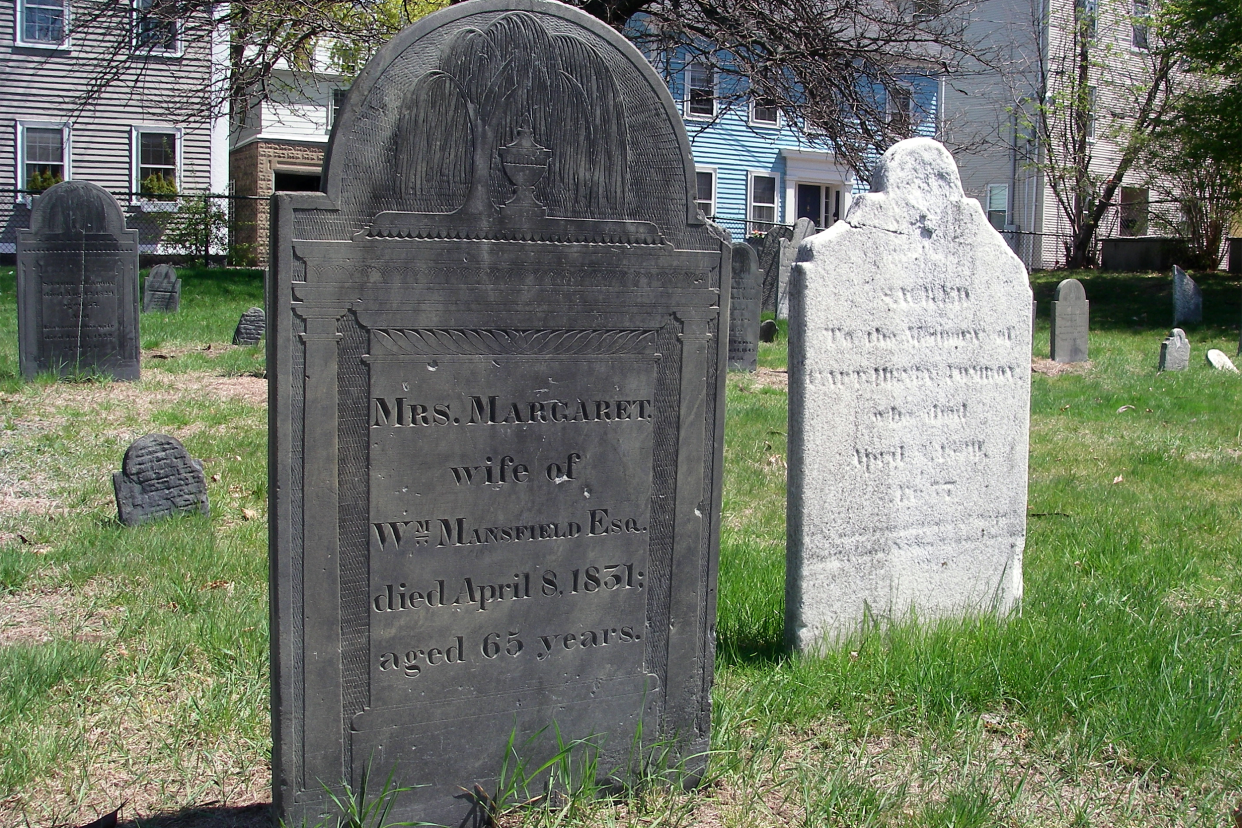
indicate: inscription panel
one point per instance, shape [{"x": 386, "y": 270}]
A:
[{"x": 510, "y": 517}]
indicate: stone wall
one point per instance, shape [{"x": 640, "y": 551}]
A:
[{"x": 251, "y": 168}]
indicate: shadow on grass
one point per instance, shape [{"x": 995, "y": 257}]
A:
[
  {"x": 751, "y": 650},
  {"x": 218, "y": 816},
  {"x": 1144, "y": 301}
]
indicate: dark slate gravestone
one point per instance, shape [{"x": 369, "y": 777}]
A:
[
  {"x": 769, "y": 330},
  {"x": 1187, "y": 298},
  {"x": 769, "y": 248},
  {"x": 162, "y": 291},
  {"x": 1070, "y": 314},
  {"x": 498, "y": 360},
  {"x": 744, "y": 309},
  {"x": 250, "y": 328},
  {"x": 158, "y": 479},
  {"x": 77, "y": 285}
]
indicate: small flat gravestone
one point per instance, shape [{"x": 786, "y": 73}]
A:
[
  {"x": 498, "y": 353},
  {"x": 1219, "y": 361},
  {"x": 162, "y": 291},
  {"x": 769, "y": 330},
  {"x": 250, "y": 328},
  {"x": 909, "y": 405},
  {"x": 744, "y": 309},
  {"x": 77, "y": 285},
  {"x": 1187, "y": 299},
  {"x": 158, "y": 479},
  {"x": 1070, "y": 323},
  {"x": 1175, "y": 351}
]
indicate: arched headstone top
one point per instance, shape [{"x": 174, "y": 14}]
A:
[
  {"x": 77, "y": 207},
  {"x": 480, "y": 116},
  {"x": 1070, "y": 290}
]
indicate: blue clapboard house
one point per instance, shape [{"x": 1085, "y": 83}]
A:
[{"x": 754, "y": 169}]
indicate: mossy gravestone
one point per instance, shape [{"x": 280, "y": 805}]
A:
[
  {"x": 77, "y": 285},
  {"x": 909, "y": 399},
  {"x": 498, "y": 351}
]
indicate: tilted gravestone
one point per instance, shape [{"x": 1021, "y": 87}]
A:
[
  {"x": 1187, "y": 299},
  {"x": 1070, "y": 330},
  {"x": 250, "y": 328},
  {"x": 498, "y": 357},
  {"x": 769, "y": 249},
  {"x": 744, "y": 309},
  {"x": 158, "y": 479},
  {"x": 909, "y": 393},
  {"x": 1219, "y": 361},
  {"x": 77, "y": 285},
  {"x": 803, "y": 229},
  {"x": 162, "y": 291},
  {"x": 1175, "y": 351}
]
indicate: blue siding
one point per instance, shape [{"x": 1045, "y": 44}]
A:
[{"x": 733, "y": 147}]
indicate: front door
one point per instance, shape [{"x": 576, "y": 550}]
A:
[{"x": 811, "y": 203}]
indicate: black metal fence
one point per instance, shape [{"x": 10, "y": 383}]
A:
[{"x": 207, "y": 227}]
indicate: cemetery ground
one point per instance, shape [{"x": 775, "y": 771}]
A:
[{"x": 134, "y": 663}]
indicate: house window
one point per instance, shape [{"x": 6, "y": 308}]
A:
[
  {"x": 901, "y": 109},
  {"x": 155, "y": 26},
  {"x": 998, "y": 206},
  {"x": 705, "y": 191},
  {"x": 42, "y": 22},
  {"x": 1091, "y": 105},
  {"x": 700, "y": 91},
  {"x": 764, "y": 112},
  {"x": 1140, "y": 24},
  {"x": 158, "y": 152},
  {"x": 334, "y": 108},
  {"x": 1133, "y": 211},
  {"x": 44, "y": 156},
  {"x": 1086, "y": 12},
  {"x": 762, "y": 202}
]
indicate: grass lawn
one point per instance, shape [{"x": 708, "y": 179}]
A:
[{"x": 133, "y": 662}]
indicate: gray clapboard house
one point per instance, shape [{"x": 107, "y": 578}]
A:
[{"x": 144, "y": 133}]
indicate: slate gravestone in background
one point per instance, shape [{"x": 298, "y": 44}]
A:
[
  {"x": 769, "y": 249},
  {"x": 744, "y": 309},
  {"x": 1070, "y": 330},
  {"x": 497, "y": 361},
  {"x": 162, "y": 291},
  {"x": 158, "y": 479},
  {"x": 909, "y": 396},
  {"x": 250, "y": 328},
  {"x": 1187, "y": 299},
  {"x": 1175, "y": 352},
  {"x": 77, "y": 285},
  {"x": 803, "y": 229}
]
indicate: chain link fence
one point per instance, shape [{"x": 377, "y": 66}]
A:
[{"x": 190, "y": 227}]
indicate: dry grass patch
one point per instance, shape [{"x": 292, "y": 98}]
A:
[{"x": 1048, "y": 368}]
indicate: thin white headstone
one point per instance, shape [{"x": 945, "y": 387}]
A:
[{"x": 910, "y": 370}]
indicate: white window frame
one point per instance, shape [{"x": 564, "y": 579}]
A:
[
  {"x": 715, "y": 184},
  {"x": 752, "y": 222},
  {"x": 890, "y": 110},
  {"x": 135, "y": 181},
  {"x": 19, "y": 25},
  {"x": 19, "y": 170},
  {"x": 178, "y": 49},
  {"x": 686, "y": 91},
  {"x": 1135, "y": 26},
  {"x": 333, "y": 105},
  {"x": 755, "y": 122},
  {"x": 987, "y": 210}
]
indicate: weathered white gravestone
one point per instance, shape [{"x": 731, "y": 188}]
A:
[
  {"x": 1175, "y": 351},
  {"x": 909, "y": 389},
  {"x": 1070, "y": 323},
  {"x": 1187, "y": 298}
]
